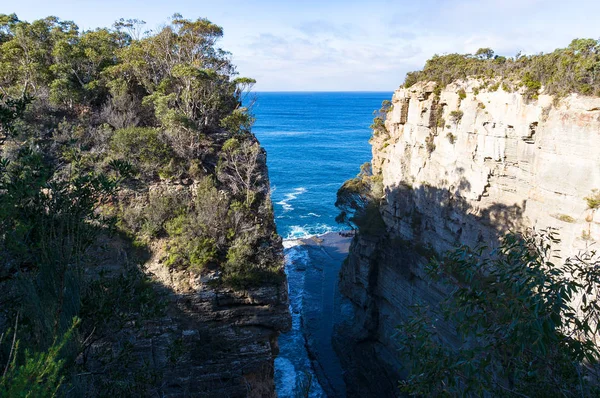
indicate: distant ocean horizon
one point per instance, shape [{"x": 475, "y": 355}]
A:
[{"x": 315, "y": 140}]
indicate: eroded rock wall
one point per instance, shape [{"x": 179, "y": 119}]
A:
[
  {"x": 464, "y": 166},
  {"x": 209, "y": 341}
]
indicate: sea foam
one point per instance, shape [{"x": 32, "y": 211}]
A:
[{"x": 285, "y": 203}]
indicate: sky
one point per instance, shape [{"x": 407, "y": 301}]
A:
[{"x": 310, "y": 45}]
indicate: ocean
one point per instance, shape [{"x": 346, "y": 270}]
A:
[{"x": 314, "y": 142}]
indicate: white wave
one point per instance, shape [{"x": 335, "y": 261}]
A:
[
  {"x": 297, "y": 232},
  {"x": 292, "y": 365},
  {"x": 285, "y": 203},
  {"x": 311, "y": 215},
  {"x": 295, "y": 254},
  {"x": 309, "y": 231},
  {"x": 288, "y": 243}
]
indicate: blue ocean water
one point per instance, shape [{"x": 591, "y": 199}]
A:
[{"x": 314, "y": 142}]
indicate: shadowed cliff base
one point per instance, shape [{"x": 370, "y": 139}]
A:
[
  {"x": 384, "y": 276},
  {"x": 150, "y": 331}
]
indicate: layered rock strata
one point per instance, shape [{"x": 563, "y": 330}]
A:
[{"x": 463, "y": 165}]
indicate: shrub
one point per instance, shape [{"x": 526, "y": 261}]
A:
[
  {"x": 238, "y": 122},
  {"x": 566, "y": 70},
  {"x": 147, "y": 220},
  {"x": 429, "y": 144},
  {"x": 239, "y": 256},
  {"x": 143, "y": 146},
  {"x": 462, "y": 94},
  {"x": 593, "y": 201},
  {"x": 566, "y": 218},
  {"x": 202, "y": 252},
  {"x": 532, "y": 85},
  {"x": 40, "y": 374},
  {"x": 510, "y": 310},
  {"x": 357, "y": 196},
  {"x": 451, "y": 138},
  {"x": 456, "y": 116},
  {"x": 378, "y": 126}
]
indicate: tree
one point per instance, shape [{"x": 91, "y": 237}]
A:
[
  {"x": 241, "y": 167},
  {"x": 524, "y": 325},
  {"x": 574, "y": 69},
  {"x": 485, "y": 53}
]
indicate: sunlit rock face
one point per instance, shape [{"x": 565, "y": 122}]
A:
[
  {"x": 464, "y": 165},
  {"x": 497, "y": 162}
]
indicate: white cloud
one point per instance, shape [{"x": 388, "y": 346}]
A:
[{"x": 351, "y": 44}]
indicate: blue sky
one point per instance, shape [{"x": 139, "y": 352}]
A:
[{"x": 346, "y": 45}]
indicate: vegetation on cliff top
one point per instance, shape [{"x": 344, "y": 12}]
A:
[
  {"x": 111, "y": 139},
  {"x": 575, "y": 69}
]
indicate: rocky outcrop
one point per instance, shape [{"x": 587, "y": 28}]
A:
[
  {"x": 464, "y": 165},
  {"x": 227, "y": 338},
  {"x": 209, "y": 340}
]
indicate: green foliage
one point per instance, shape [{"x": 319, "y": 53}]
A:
[
  {"x": 378, "y": 125},
  {"x": 238, "y": 122},
  {"x": 532, "y": 85},
  {"x": 574, "y": 69},
  {"x": 186, "y": 249},
  {"x": 485, "y": 53},
  {"x": 456, "y": 116},
  {"x": 239, "y": 256},
  {"x": 451, "y": 138},
  {"x": 80, "y": 113},
  {"x": 10, "y": 110},
  {"x": 524, "y": 325},
  {"x": 241, "y": 168},
  {"x": 566, "y": 218},
  {"x": 430, "y": 144},
  {"x": 147, "y": 220},
  {"x": 49, "y": 223},
  {"x": 358, "y": 201},
  {"x": 40, "y": 374},
  {"x": 143, "y": 146},
  {"x": 51, "y": 217},
  {"x": 593, "y": 201},
  {"x": 462, "y": 94}
]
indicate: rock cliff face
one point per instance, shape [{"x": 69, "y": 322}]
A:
[
  {"x": 227, "y": 338},
  {"x": 210, "y": 340},
  {"x": 463, "y": 166}
]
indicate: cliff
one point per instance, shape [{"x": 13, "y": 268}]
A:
[
  {"x": 463, "y": 165},
  {"x": 206, "y": 339},
  {"x": 138, "y": 248},
  {"x": 209, "y": 341}
]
